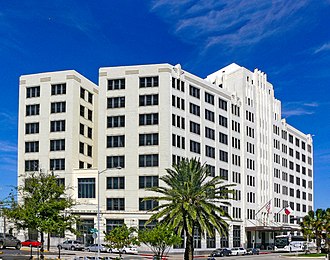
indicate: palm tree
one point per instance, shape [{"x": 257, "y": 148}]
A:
[
  {"x": 192, "y": 200},
  {"x": 313, "y": 225}
]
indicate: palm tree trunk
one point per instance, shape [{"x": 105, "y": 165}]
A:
[
  {"x": 189, "y": 250},
  {"x": 42, "y": 245},
  {"x": 48, "y": 242}
]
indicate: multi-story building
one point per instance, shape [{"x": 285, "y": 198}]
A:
[{"x": 147, "y": 118}]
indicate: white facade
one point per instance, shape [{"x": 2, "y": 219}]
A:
[{"x": 145, "y": 118}]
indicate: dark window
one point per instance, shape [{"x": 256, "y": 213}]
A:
[
  {"x": 57, "y": 126},
  {"x": 148, "y": 204},
  {"x": 115, "y": 141},
  {"x": 209, "y": 151},
  {"x": 89, "y": 132},
  {"x": 116, "y": 102},
  {"x": 195, "y": 147},
  {"x": 148, "y": 82},
  {"x": 32, "y": 110},
  {"x": 222, "y": 104},
  {"x": 89, "y": 114},
  {"x": 59, "y": 89},
  {"x": 57, "y": 164},
  {"x": 82, "y": 111},
  {"x": 32, "y": 92},
  {"x": 193, "y": 91},
  {"x": 90, "y": 98},
  {"x": 57, "y": 145},
  {"x": 223, "y": 173},
  {"x": 223, "y": 121},
  {"x": 148, "y": 160},
  {"x": 115, "y": 204},
  {"x": 57, "y": 107},
  {"x": 115, "y": 161},
  {"x": 115, "y": 121},
  {"x": 148, "y": 119},
  {"x": 115, "y": 183},
  {"x": 114, "y": 84},
  {"x": 195, "y": 128},
  {"x": 209, "y": 98},
  {"x": 32, "y": 128},
  {"x": 112, "y": 223},
  {"x": 86, "y": 187},
  {"x": 31, "y": 165},
  {"x": 148, "y": 100},
  {"x": 236, "y": 236},
  {"x": 209, "y": 115},
  {"x": 209, "y": 133},
  {"x": 148, "y": 181},
  {"x": 194, "y": 109},
  {"x": 148, "y": 139},
  {"x": 223, "y": 138},
  {"x": 82, "y": 129},
  {"x": 82, "y": 93},
  {"x": 223, "y": 156},
  {"x": 32, "y": 147}
]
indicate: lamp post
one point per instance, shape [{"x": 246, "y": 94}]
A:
[
  {"x": 98, "y": 208},
  {"x": 98, "y": 212}
]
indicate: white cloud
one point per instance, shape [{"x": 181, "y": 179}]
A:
[
  {"x": 324, "y": 47},
  {"x": 7, "y": 147},
  {"x": 229, "y": 23},
  {"x": 298, "y": 108}
]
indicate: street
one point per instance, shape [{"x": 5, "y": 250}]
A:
[{"x": 13, "y": 254}]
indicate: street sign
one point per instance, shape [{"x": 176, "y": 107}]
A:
[
  {"x": 94, "y": 235},
  {"x": 93, "y": 230}
]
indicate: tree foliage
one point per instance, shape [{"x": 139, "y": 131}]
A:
[
  {"x": 159, "y": 239},
  {"x": 192, "y": 200},
  {"x": 316, "y": 225},
  {"x": 43, "y": 206},
  {"x": 120, "y": 237}
]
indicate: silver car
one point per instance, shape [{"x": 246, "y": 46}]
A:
[
  {"x": 71, "y": 245},
  {"x": 94, "y": 248}
]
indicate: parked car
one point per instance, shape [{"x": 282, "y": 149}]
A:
[
  {"x": 238, "y": 251},
  {"x": 253, "y": 251},
  {"x": 129, "y": 250},
  {"x": 71, "y": 245},
  {"x": 124, "y": 250},
  {"x": 31, "y": 242},
  {"x": 221, "y": 252},
  {"x": 94, "y": 248},
  {"x": 7, "y": 240}
]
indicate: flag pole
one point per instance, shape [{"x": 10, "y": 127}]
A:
[{"x": 263, "y": 206}]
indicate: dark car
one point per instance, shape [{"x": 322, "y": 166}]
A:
[
  {"x": 221, "y": 252},
  {"x": 253, "y": 251},
  {"x": 8, "y": 240}
]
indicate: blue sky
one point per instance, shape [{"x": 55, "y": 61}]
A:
[{"x": 287, "y": 39}]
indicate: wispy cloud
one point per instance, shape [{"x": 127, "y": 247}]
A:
[
  {"x": 324, "y": 47},
  {"x": 229, "y": 23},
  {"x": 7, "y": 147},
  {"x": 298, "y": 108}
]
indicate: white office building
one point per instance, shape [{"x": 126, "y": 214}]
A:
[{"x": 140, "y": 120}]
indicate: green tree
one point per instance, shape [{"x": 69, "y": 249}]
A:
[
  {"x": 313, "y": 226},
  {"x": 120, "y": 237},
  {"x": 159, "y": 239},
  {"x": 43, "y": 206},
  {"x": 192, "y": 200}
]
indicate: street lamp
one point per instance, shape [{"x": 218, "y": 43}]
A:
[
  {"x": 98, "y": 209},
  {"x": 98, "y": 212}
]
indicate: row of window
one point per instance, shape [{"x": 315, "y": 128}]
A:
[
  {"x": 144, "y": 82},
  {"x": 56, "y": 89}
]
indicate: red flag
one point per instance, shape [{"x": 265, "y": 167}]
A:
[{"x": 288, "y": 211}]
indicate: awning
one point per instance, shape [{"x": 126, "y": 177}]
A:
[{"x": 272, "y": 228}]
